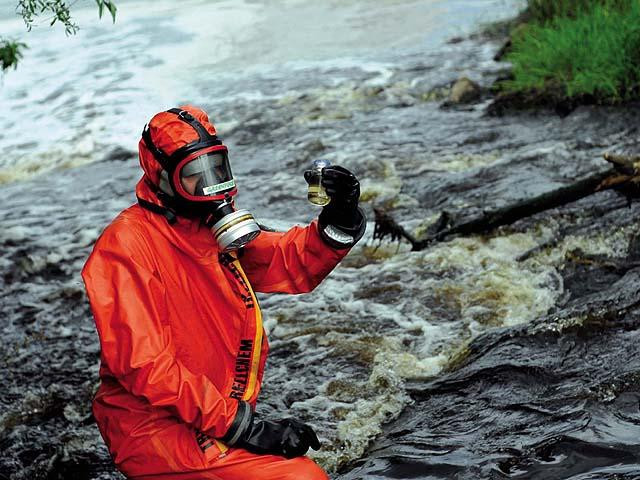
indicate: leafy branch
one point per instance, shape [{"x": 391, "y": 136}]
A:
[
  {"x": 109, "y": 5},
  {"x": 31, "y": 9},
  {"x": 11, "y": 51}
]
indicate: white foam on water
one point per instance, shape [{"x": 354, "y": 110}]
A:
[
  {"x": 490, "y": 286},
  {"x": 614, "y": 244},
  {"x": 14, "y": 233},
  {"x": 365, "y": 421},
  {"x": 458, "y": 162},
  {"x": 30, "y": 163},
  {"x": 98, "y": 88},
  {"x": 81, "y": 94}
]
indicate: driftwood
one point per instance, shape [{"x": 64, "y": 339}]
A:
[
  {"x": 624, "y": 176},
  {"x": 624, "y": 163},
  {"x": 628, "y": 171},
  {"x": 385, "y": 226}
]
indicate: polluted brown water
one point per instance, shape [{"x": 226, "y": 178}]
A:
[{"x": 508, "y": 355}]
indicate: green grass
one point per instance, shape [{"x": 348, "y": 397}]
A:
[{"x": 578, "y": 47}]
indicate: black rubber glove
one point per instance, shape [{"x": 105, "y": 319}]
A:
[
  {"x": 288, "y": 437},
  {"x": 343, "y": 188},
  {"x": 342, "y": 212}
]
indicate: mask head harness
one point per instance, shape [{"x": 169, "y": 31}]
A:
[
  {"x": 202, "y": 164},
  {"x": 196, "y": 181}
]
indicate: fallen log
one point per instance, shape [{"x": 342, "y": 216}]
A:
[
  {"x": 625, "y": 174},
  {"x": 628, "y": 178},
  {"x": 625, "y": 164},
  {"x": 522, "y": 209}
]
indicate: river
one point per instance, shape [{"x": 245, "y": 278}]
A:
[{"x": 461, "y": 361}]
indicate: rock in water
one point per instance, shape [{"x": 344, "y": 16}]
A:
[{"x": 464, "y": 90}]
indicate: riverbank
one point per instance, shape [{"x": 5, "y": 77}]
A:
[{"x": 567, "y": 53}]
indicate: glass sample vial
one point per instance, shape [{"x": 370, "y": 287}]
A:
[{"x": 317, "y": 194}]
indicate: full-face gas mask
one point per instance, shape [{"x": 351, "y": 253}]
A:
[{"x": 197, "y": 182}]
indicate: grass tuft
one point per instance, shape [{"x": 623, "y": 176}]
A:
[
  {"x": 542, "y": 11},
  {"x": 578, "y": 48}
]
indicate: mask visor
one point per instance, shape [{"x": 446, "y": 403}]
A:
[{"x": 207, "y": 175}]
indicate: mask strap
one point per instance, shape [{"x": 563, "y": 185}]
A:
[
  {"x": 205, "y": 139},
  {"x": 152, "y": 207},
  {"x": 162, "y": 157},
  {"x": 186, "y": 117}
]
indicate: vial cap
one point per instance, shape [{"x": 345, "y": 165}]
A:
[{"x": 320, "y": 164}]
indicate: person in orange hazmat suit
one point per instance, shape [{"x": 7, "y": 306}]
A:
[{"x": 171, "y": 283}]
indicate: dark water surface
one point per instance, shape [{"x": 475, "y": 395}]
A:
[{"x": 466, "y": 360}]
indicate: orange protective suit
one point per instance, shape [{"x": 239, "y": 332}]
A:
[{"x": 182, "y": 340}]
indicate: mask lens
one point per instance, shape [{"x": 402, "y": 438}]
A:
[{"x": 208, "y": 174}]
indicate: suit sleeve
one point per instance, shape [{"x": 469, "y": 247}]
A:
[
  {"x": 130, "y": 308},
  {"x": 292, "y": 262}
]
